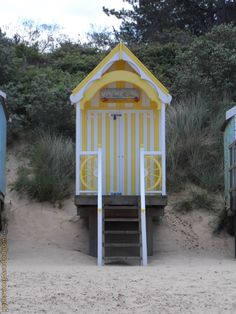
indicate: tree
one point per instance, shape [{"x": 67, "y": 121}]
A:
[
  {"x": 147, "y": 20},
  {"x": 101, "y": 39},
  {"x": 9, "y": 62},
  {"x": 208, "y": 66}
]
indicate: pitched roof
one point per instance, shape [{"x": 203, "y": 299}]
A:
[
  {"x": 121, "y": 52},
  {"x": 228, "y": 115}
]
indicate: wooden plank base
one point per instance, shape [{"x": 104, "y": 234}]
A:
[
  {"x": 158, "y": 201},
  {"x": 119, "y": 205}
]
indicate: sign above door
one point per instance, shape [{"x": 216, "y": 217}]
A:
[{"x": 120, "y": 94}]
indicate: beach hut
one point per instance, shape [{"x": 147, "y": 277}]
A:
[
  {"x": 229, "y": 129},
  {"x": 120, "y": 156},
  {"x": 3, "y": 133}
]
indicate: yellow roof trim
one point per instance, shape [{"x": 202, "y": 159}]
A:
[
  {"x": 116, "y": 76},
  {"x": 118, "y": 49},
  {"x": 96, "y": 69},
  {"x": 145, "y": 69}
]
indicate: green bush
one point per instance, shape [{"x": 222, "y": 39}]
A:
[
  {"x": 51, "y": 169},
  {"x": 207, "y": 65}
]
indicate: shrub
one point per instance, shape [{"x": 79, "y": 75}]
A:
[
  {"x": 51, "y": 169},
  {"x": 194, "y": 198},
  {"x": 194, "y": 145},
  {"x": 208, "y": 65}
]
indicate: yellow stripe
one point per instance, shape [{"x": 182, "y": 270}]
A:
[
  {"x": 156, "y": 129},
  {"x": 84, "y": 139},
  {"x": 84, "y": 130},
  {"x": 133, "y": 150},
  {"x": 125, "y": 154},
  {"x": 99, "y": 129},
  {"x": 92, "y": 131},
  {"x": 148, "y": 138},
  {"x": 148, "y": 131},
  {"x": 140, "y": 128},
  {"x": 107, "y": 153},
  {"x": 115, "y": 154},
  {"x": 92, "y": 148},
  {"x": 120, "y": 65}
]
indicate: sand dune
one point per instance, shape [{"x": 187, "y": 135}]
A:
[{"x": 49, "y": 270}]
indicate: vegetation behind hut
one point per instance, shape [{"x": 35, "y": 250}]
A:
[
  {"x": 199, "y": 67},
  {"x": 49, "y": 174}
]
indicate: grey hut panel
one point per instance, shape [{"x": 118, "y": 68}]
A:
[
  {"x": 3, "y": 133},
  {"x": 229, "y": 138}
]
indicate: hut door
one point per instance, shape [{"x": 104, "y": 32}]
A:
[{"x": 120, "y": 132}]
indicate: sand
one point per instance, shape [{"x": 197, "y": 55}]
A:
[{"x": 49, "y": 270}]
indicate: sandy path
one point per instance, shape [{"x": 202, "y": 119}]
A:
[{"x": 172, "y": 285}]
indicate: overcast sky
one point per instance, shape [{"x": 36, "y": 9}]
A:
[{"x": 75, "y": 16}]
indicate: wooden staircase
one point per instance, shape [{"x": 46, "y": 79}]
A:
[{"x": 122, "y": 241}]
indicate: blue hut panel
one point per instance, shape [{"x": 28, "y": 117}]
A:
[{"x": 3, "y": 133}]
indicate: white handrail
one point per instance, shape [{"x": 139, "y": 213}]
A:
[
  {"x": 83, "y": 153},
  {"x": 143, "y": 208},
  {"x": 154, "y": 153},
  {"x": 99, "y": 211}
]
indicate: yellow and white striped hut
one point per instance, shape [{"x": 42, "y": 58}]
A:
[{"x": 120, "y": 151}]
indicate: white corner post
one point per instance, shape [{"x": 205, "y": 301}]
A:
[
  {"x": 163, "y": 147},
  {"x": 143, "y": 208},
  {"x": 99, "y": 211},
  {"x": 78, "y": 148}
]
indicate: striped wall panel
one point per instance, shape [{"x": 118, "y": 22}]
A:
[{"x": 120, "y": 138}]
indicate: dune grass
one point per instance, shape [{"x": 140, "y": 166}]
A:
[
  {"x": 194, "y": 145},
  {"x": 51, "y": 169}
]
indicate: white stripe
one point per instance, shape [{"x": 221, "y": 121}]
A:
[
  {"x": 163, "y": 149},
  {"x": 104, "y": 152},
  {"x": 137, "y": 114},
  {"x": 99, "y": 213},
  {"x": 111, "y": 155}
]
